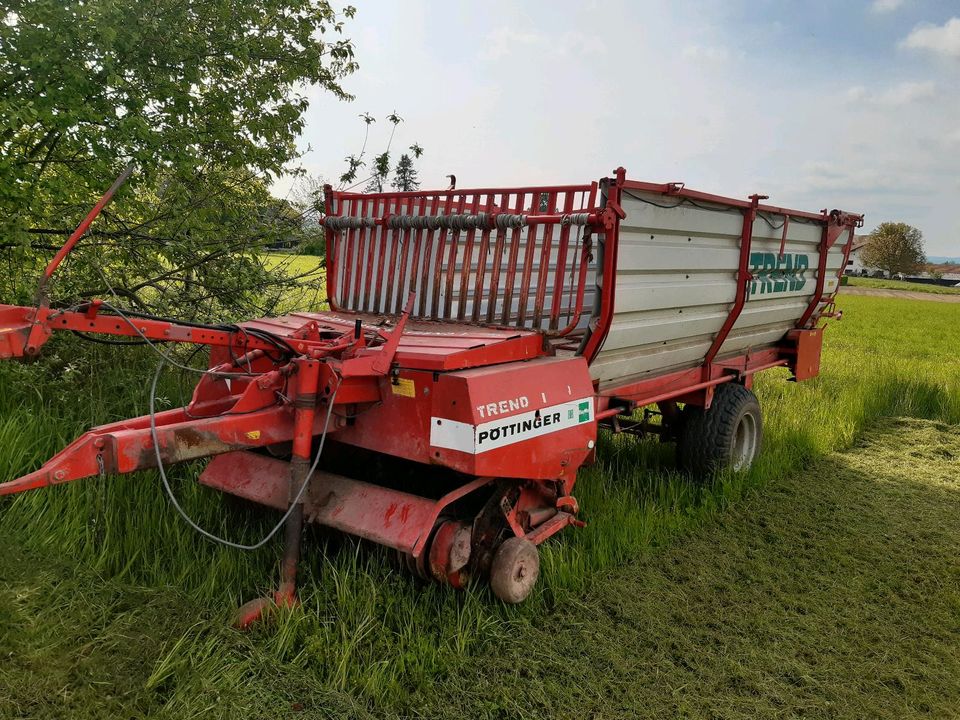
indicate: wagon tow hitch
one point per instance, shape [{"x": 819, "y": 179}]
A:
[{"x": 364, "y": 363}]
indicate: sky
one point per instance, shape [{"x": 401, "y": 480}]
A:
[{"x": 850, "y": 104}]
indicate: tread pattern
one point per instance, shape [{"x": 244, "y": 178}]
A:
[{"x": 706, "y": 437}]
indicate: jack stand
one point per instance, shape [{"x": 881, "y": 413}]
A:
[{"x": 305, "y": 406}]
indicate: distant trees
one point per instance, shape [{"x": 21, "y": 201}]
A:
[{"x": 896, "y": 248}]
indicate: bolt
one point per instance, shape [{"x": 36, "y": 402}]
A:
[{"x": 59, "y": 475}]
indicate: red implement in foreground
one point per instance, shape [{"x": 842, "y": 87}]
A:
[{"x": 480, "y": 339}]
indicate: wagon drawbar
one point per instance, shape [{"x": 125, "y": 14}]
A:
[{"x": 480, "y": 338}]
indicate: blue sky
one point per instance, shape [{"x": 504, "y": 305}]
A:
[{"x": 852, "y": 104}]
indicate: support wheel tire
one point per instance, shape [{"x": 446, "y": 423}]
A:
[
  {"x": 515, "y": 569},
  {"x": 728, "y": 435}
]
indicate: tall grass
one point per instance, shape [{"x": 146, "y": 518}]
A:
[{"x": 365, "y": 628}]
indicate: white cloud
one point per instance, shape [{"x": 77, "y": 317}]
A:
[
  {"x": 904, "y": 93},
  {"x": 885, "y": 6},
  {"x": 505, "y": 41},
  {"x": 939, "y": 39},
  {"x": 856, "y": 94},
  {"x": 706, "y": 53}
]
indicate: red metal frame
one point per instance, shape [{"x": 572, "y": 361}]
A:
[
  {"x": 743, "y": 278},
  {"x": 839, "y": 224},
  {"x": 612, "y": 215},
  {"x": 678, "y": 189},
  {"x": 81, "y": 229}
]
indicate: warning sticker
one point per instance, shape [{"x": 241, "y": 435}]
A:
[
  {"x": 404, "y": 387},
  {"x": 476, "y": 439}
]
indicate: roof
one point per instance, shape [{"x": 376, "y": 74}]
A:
[{"x": 859, "y": 241}]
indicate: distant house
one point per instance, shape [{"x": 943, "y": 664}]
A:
[{"x": 855, "y": 265}]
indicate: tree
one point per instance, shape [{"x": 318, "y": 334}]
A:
[
  {"x": 205, "y": 97},
  {"x": 405, "y": 176},
  {"x": 896, "y": 248},
  {"x": 381, "y": 162},
  {"x": 381, "y": 170}
]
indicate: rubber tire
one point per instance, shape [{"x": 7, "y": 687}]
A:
[
  {"x": 515, "y": 569},
  {"x": 708, "y": 439}
]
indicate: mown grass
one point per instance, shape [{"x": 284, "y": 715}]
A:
[
  {"x": 834, "y": 593},
  {"x": 137, "y": 601},
  {"x": 884, "y": 284}
]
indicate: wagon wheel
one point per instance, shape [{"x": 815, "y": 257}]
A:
[
  {"x": 515, "y": 569},
  {"x": 728, "y": 435}
]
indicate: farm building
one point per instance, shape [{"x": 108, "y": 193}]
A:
[{"x": 855, "y": 265}]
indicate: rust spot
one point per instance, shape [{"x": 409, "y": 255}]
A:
[
  {"x": 405, "y": 513},
  {"x": 185, "y": 444},
  {"x": 189, "y": 438},
  {"x": 388, "y": 515}
]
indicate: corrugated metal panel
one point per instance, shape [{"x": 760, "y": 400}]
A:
[{"x": 676, "y": 272}]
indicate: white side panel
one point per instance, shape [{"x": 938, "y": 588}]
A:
[{"x": 676, "y": 283}]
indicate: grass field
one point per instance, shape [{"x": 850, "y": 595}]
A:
[
  {"x": 309, "y": 270},
  {"x": 883, "y": 284},
  {"x": 819, "y": 584}
]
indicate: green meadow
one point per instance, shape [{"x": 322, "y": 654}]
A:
[{"x": 823, "y": 582}]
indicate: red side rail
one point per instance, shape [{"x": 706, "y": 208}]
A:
[{"x": 838, "y": 225}]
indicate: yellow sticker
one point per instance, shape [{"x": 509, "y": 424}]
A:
[
  {"x": 404, "y": 386},
  {"x": 254, "y": 434}
]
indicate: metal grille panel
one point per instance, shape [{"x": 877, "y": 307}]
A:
[{"x": 516, "y": 257}]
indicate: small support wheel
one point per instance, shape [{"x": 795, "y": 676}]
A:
[
  {"x": 449, "y": 554},
  {"x": 515, "y": 569}
]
